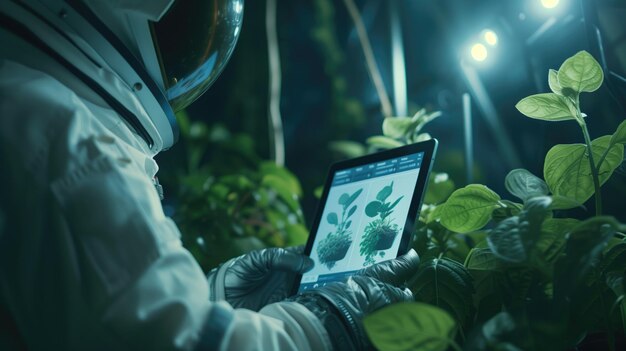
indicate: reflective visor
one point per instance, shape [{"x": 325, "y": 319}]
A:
[{"x": 194, "y": 41}]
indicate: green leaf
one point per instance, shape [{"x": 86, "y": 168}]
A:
[
  {"x": 349, "y": 149},
  {"x": 373, "y": 208},
  {"x": 524, "y": 184},
  {"x": 546, "y": 106},
  {"x": 297, "y": 234},
  {"x": 553, "y": 237},
  {"x": 353, "y": 197},
  {"x": 483, "y": 259},
  {"x": 395, "y": 203},
  {"x": 284, "y": 189},
  {"x": 506, "y": 242},
  {"x": 505, "y": 210},
  {"x": 351, "y": 211},
  {"x": 469, "y": 208},
  {"x": 584, "y": 246},
  {"x": 513, "y": 238},
  {"x": 560, "y": 202},
  {"x": 440, "y": 186},
  {"x": 384, "y": 193},
  {"x": 383, "y": 142},
  {"x": 619, "y": 137},
  {"x": 447, "y": 284},
  {"x": 291, "y": 181},
  {"x": 499, "y": 330},
  {"x": 614, "y": 259},
  {"x": 343, "y": 199},
  {"x": 581, "y": 73},
  {"x": 397, "y": 127},
  {"x": 553, "y": 82},
  {"x": 332, "y": 218},
  {"x": 567, "y": 172},
  {"x": 410, "y": 326},
  {"x": 617, "y": 282}
]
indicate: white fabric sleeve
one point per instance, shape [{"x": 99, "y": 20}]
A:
[
  {"x": 301, "y": 330},
  {"x": 91, "y": 262}
]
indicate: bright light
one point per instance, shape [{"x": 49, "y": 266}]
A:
[
  {"x": 479, "y": 52},
  {"x": 490, "y": 37},
  {"x": 550, "y": 4}
]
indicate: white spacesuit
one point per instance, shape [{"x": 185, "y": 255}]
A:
[{"x": 88, "y": 260}]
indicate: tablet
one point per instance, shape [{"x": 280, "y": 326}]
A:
[{"x": 367, "y": 212}]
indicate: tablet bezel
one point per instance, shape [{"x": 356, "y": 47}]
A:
[{"x": 429, "y": 147}]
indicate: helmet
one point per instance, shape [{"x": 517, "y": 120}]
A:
[{"x": 168, "y": 52}]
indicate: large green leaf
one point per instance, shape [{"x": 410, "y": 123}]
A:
[
  {"x": 619, "y": 137},
  {"x": 553, "y": 82},
  {"x": 546, "y": 106},
  {"x": 524, "y": 184},
  {"x": 447, "y": 284},
  {"x": 349, "y": 149},
  {"x": 581, "y": 73},
  {"x": 567, "y": 172},
  {"x": 469, "y": 208},
  {"x": 440, "y": 186},
  {"x": 383, "y": 142},
  {"x": 483, "y": 259},
  {"x": 410, "y": 326},
  {"x": 513, "y": 238},
  {"x": 560, "y": 202},
  {"x": 584, "y": 246},
  {"x": 397, "y": 127},
  {"x": 553, "y": 237}
]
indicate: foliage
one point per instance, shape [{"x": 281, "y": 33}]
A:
[
  {"x": 335, "y": 245},
  {"x": 516, "y": 274},
  {"x": 380, "y": 233},
  {"x": 397, "y": 131},
  {"x": 235, "y": 203}
]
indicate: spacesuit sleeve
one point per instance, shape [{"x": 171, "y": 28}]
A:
[{"x": 137, "y": 281}]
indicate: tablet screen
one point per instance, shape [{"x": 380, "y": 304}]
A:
[{"x": 363, "y": 219}]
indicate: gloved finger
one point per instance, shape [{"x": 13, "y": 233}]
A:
[
  {"x": 379, "y": 294},
  {"x": 396, "y": 271},
  {"x": 296, "y": 249},
  {"x": 284, "y": 260}
]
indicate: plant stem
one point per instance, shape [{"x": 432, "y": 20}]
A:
[
  {"x": 454, "y": 345},
  {"x": 606, "y": 152},
  {"x": 369, "y": 58},
  {"x": 594, "y": 171}
]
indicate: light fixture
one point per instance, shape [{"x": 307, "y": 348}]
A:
[
  {"x": 479, "y": 52},
  {"x": 549, "y": 4},
  {"x": 490, "y": 37}
]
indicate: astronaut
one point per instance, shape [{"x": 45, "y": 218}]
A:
[{"x": 88, "y": 260}]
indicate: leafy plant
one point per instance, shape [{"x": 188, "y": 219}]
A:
[
  {"x": 380, "y": 233},
  {"x": 233, "y": 204},
  {"x": 516, "y": 274},
  {"x": 335, "y": 245}
]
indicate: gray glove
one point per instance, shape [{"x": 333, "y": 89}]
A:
[
  {"x": 341, "y": 306},
  {"x": 258, "y": 278}
]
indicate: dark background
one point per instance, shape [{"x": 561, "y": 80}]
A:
[{"x": 327, "y": 93}]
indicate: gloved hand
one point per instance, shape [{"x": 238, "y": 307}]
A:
[
  {"x": 341, "y": 306},
  {"x": 258, "y": 278}
]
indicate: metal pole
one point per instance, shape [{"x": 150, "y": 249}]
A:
[
  {"x": 469, "y": 142},
  {"x": 397, "y": 61}
]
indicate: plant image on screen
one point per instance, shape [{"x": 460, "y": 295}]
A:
[
  {"x": 335, "y": 246},
  {"x": 381, "y": 232}
]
